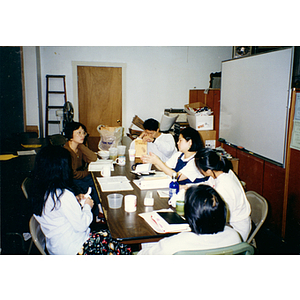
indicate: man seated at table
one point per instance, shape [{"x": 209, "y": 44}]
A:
[
  {"x": 161, "y": 144},
  {"x": 205, "y": 212}
]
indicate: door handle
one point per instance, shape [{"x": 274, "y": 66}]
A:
[{"x": 118, "y": 121}]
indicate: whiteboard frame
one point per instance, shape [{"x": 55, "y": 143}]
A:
[{"x": 258, "y": 123}]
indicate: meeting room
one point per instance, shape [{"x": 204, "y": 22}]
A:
[{"x": 110, "y": 150}]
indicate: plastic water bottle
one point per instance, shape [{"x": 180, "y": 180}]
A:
[{"x": 174, "y": 186}]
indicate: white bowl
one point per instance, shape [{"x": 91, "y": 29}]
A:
[{"x": 104, "y": 154}]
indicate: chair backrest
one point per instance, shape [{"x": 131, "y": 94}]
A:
[
  {"x": 37, "y": 235},
  {"x": 25, "y": 186},
  {"x": 259, "y": 211},
  {"x": 57, "y": 140},
  {"x": 241, "y": 248}
]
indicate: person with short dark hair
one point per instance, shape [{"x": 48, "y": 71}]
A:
[
  {"x": 161, "y": 144},
  {"x": 205, "y": 212},
  {"x": 181, "y": 162},
  {"x": 81, "y": 155},
  {"x": 223, "y": 179}
]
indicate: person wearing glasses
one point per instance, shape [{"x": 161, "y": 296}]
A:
[{"x": 76, "y": 135}]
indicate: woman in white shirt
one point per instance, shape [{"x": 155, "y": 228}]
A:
[
  {"x": 63, "y": 220},
  {"x": 181, "y": 162},
  {"x": 205, "y": 211},
  {"x": 228, "y": 186}
]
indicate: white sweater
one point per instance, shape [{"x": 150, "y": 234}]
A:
[
  {"x": 67, "y": 226},
  {"x": 192, "y": 241}
]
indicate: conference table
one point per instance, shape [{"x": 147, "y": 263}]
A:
[{"x": 129, "y": 227}]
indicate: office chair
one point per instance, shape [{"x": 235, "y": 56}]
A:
[
  {"x": 37, "y": 236},
  {"x": 57, "y": 140},
  {"x": 259, "y": 211},
  {"x": 241, "y": 248},
  {"x": 25, "y": 186}
]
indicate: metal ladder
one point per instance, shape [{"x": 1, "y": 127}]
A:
[{"x": 50, "y": 107}]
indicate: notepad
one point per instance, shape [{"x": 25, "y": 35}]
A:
[
  {"x": 160, "y": 225},
  {"x": 114, "y": 184},
  {"x": 158, "y": 181}
]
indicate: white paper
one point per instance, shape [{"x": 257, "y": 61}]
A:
[
  {"x": 163, "y": 193},
  {"x": 295, "y": 142},
  {"x": 97, "y": 166},
  {"x": 159, "y": 225},
  {"x": 114, "y": 183},
  {"x": 27, "y": 152}
]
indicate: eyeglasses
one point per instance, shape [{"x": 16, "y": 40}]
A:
[{"x": 81, "y": 133}]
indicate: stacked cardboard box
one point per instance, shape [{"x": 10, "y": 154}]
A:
[{"x": 204, "y": 124}]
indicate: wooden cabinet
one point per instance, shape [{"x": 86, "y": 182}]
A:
[
  {"x": 212, "y": 99},
  {"x": 264, "y": 178}
]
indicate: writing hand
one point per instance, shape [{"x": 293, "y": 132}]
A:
[{"x": 89, "y": 201}]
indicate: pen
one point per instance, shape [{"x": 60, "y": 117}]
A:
[{"x": 88, "y": 192}]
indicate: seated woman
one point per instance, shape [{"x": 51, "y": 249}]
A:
[
  {"x": 161, "y": 144},
  {"x": 76, "y": 135},
  {"x": 228, "y": 186},
  {"x": 63, "y": 221},
  {"x": 205, "y": 211},
  {"x": 181, "y": 162}
]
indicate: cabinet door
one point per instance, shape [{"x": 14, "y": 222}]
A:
[
  {"x": 273, "y": 191},
  {"x": 251, "y": 170}
]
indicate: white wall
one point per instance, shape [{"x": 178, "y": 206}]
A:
[{"x": 156, "y": 77}]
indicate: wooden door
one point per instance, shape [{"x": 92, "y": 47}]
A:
[{"x": 99, "y": 97}]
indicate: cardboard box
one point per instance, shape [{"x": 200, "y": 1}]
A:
[
  {"x": 198, "y": 121},
  {"x": 209, "y": 138},
  {"x": 201, "y": 122}
]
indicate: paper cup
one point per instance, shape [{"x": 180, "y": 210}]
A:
[
  {"x": 131, "y": 154},
  {"x": 130, "y": 203},
  {"x": 121, "y": 150}
]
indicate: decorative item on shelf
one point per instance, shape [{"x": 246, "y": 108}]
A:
[{"x": 239, "y": 51}]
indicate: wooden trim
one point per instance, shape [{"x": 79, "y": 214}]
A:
[{"x": 287, "y": 163}]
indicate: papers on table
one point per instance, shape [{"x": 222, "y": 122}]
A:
[
  {"x": 32, "y": 146},
  {"x": 160, "y": 225},
  {"x": 27, "y": 152},
  {"x": 98, "y": 165},
  {"x": 114, "y": 184},
  {"x": 157, "y": 181},
  {"x": 163, "y": 193},
  {"x": 7, "y": 156}
]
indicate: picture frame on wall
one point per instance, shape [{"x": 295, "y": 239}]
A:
[{"x": 241, "y": 51}]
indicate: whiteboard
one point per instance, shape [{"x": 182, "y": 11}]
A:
[{"x": 255, "y": 94}]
